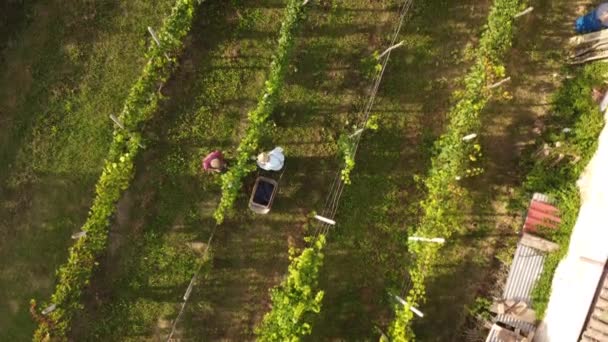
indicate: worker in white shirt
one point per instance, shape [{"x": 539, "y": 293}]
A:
[{"x": 273, "y": 160}]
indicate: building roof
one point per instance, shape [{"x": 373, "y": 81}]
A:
[
  {"x": 541, "y": 213},
  {"x": 596, "y": 329},
  {"x": 525, "y": 270}
]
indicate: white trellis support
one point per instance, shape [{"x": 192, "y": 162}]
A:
[
  {"x": 391, "y": 49},
  {"x": 325, "y": 220},
  {"x": 499, "y": 83},
  {"x": 156, "y": 40},
  {"x": 116, "y": 121},
  {"x": 189, "y": 289},
  {"x": 121, "y": 125},
  {"x": 413, "y": 309},
  {"x": 78, "y": 235},
  {"x": 524, "y": 12},
  {"x": 423, "y": 239},
  {"x": 469, "y": 137},
  {"x": 357, "y": 132},
  {"x": 49, "y": 309}
]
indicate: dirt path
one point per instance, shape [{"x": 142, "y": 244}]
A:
[{"x": 473, "y": 263}]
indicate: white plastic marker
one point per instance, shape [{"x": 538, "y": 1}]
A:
[
  {"x": 416, "y": 311},
  {"x": 78, "y": 235},
  {"x": 49, "y": 309},
  {"x": 469, "y": 137},
  {"x": 524, "y": 12},
  {"x": 156, "y": 40},
  {"x": 413, "y": 309},
  {"x": 423, "y": 239},
  {"x": 116, "y": 121},
  {"x": 326, "y": 220}
]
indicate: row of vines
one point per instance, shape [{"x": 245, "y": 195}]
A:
[
  {"x": 232, "y": 180},
  {"x": 456, "y": 159},
  {"x": 296, "y": 298},
  {"x": 141, "y": 103}
]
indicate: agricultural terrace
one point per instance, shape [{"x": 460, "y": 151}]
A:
[{"x": 67, "y": 68}]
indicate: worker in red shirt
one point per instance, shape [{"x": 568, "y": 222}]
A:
[{"x": 214, "y": 162}]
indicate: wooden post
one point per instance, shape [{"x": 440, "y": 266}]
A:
[{"x": 538, "y": 243}]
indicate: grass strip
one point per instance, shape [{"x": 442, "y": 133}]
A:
[
  {"x": 232, "y": 180},
  {"x": 456, "y": 159},
  {"x": 117, "y": 173}
]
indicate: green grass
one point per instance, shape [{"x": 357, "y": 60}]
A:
[{"x": 70, "y": 68}]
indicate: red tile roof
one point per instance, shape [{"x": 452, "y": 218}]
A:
[{"x": 541, "y": 214}]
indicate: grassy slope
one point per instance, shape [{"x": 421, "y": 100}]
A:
[
  {"x": 165, "y": 218},
  {"x": 366, "y": 254},
  {"x": 69, "y": 70}
]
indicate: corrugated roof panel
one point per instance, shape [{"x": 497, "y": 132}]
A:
[{"x": 525, "y": 270}]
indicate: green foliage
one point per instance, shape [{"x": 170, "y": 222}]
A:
[
  {"x": 371, "y": 66},
  {"x": 456, "y": 158},
  {"x": 347, "y": 151},
  {"x": 295, "y": 298},
  {"x": 231, "y": 180},
  {"x": 573, "y": 107},
  {"x": 481, "y": 308},
  {"x": 140, "y": 105}
]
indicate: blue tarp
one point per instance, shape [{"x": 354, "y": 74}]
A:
[{"x": 593, "y": 21}]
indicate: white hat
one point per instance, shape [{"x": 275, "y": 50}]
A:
[
  {"x": 263, "y": 157},
  {"x": 215, "y": 163}
]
